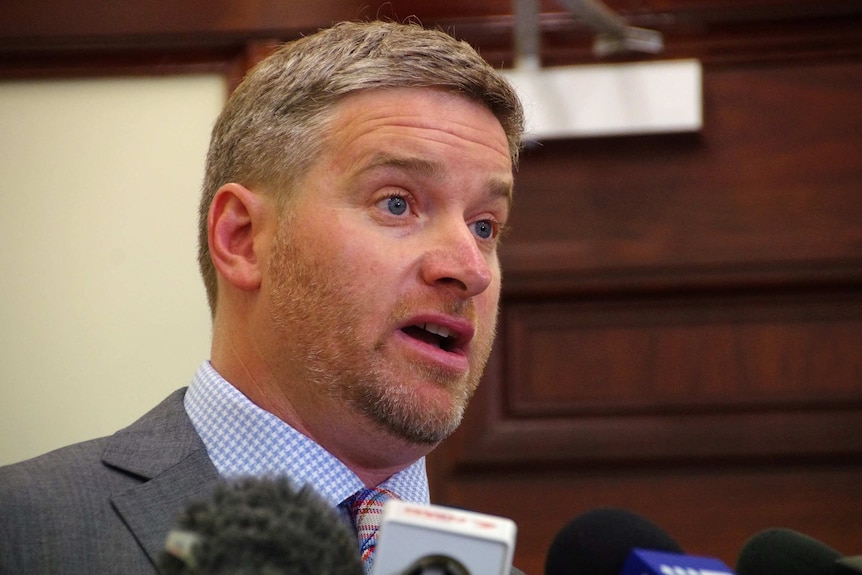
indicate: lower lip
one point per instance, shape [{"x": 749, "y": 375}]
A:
[{"x": 453, "y": 360}]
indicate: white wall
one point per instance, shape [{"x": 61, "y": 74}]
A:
[{"x": 102, "y": 312}]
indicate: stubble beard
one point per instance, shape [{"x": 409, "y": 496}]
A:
[{"x": 313, "y": 309}]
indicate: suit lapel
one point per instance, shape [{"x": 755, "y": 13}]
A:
[
  {"x": 165, "y": 452},
  {"x": 151, "y": 509}
]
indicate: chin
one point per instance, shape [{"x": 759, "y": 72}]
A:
[{"x": 418, "y": 422}]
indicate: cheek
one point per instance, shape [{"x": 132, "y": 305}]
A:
[
  {"x": 372, "y": 275},
  {"x": 346, "y": 247},
  {"x": 366, "y": 267},
  {"x": 372, "y": 259}
]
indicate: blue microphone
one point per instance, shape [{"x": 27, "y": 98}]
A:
[
  {"x": 610, "y": 541},
  {"x": 646, "y": 562}
]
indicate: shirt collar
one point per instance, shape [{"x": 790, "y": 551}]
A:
[{"x": 244, "y": 440}]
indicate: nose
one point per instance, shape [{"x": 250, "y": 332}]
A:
[{"x": 455, "y": 260}]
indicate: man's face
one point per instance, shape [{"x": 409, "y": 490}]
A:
[{"x": 384, "y": 279}]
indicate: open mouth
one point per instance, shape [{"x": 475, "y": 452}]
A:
[{"x": 433, "y": 334}]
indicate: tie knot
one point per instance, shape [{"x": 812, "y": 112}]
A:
[
  {"x": 366, "y": 510},
  {"x": 366, "y": 505}
]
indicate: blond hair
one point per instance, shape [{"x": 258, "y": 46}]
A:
[{"x": 274, "y": 124}]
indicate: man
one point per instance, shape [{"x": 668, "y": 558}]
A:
[{"x": 356, "y": 186}]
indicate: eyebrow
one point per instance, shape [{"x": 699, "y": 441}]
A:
[{"x": 497, "y": 187}]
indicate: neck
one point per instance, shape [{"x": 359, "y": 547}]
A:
[
  {"x": 374, "y": 458},
  {"x": 374, "y": 455}
]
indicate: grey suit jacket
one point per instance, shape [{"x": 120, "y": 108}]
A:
[{"x": 106, "y": 505}]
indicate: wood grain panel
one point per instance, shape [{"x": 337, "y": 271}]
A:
[
  {"x": 681, "y": 325},
  {"x": 768, "y": 193},
  {"x": 70, "y": 23},
  {"x": 713, "y": 30},
  {"x": 492, "y": 438},
  {"x": 709, "y": 511},
  {"x": 683, "y": 355},
  {"x": 627, "y": 382}
]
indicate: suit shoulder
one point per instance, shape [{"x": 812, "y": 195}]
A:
[
  {"x": 58, "y": 473},
  {"x": 60, "y": 463}
]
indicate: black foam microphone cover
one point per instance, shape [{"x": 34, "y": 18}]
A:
[
  {"x": 785, "y": 552},
  {"x": 256, "y": 526},
  {"x": 599, "y": 541},
  {"x": 848, "y": 566}
]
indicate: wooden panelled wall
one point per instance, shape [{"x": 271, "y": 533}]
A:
[{"x": 681, "y": 326}]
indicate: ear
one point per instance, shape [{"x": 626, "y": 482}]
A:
[{"x": 237, "y": 224}]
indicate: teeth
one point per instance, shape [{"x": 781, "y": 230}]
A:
[{"x": 436, "y": 329}]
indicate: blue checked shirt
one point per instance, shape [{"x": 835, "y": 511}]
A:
[{"x": 244, "y": 440}]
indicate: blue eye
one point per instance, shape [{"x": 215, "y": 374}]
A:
[
  {"x": 484, "y": 229},
  {"x": 396, "y": 205}
]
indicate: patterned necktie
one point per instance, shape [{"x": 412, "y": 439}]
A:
[{"x": 366, "y": 510}]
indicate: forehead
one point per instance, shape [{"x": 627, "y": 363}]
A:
[
  {"x": 420, "y": 130},
  {"x": 428, "y": 109}
]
